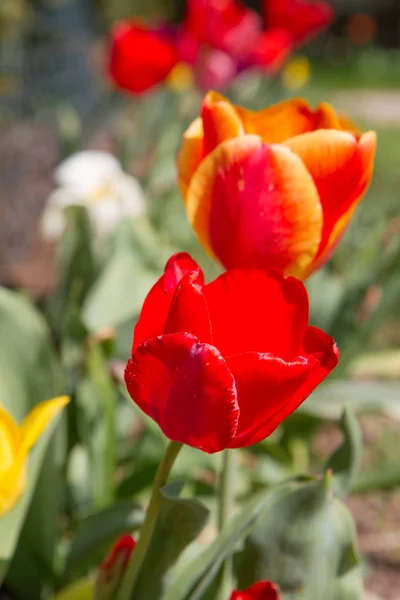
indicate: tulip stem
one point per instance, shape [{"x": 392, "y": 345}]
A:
[
  {"x": 225, "y": 510},
  {"x": 149, "y": 523}
]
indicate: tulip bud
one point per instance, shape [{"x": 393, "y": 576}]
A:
[{"x": 112, "y": 568}]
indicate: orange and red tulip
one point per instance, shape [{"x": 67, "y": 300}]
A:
[{"x": 276, "y": 187}]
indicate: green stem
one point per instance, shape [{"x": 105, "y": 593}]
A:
[
  {"x": 147, "y": 529},
  {"x": 225, "y": 510}
]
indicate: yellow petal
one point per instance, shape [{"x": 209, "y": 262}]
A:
[
  {"x": 9, "y": 439},
  {"x": 12, "y": 485},
  {"x": 15, "y": 444},
  {"x": 38, "y": 419}
]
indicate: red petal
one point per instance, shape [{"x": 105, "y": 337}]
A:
[
  {"x": 186, "y": 387},
  {"x": 270, "y": 49},
  {"x": 155, "y": 308},
  {"x": 227, "y": 25},
  {"x": 189, "y": 310},
  {"x": 139, "y": 57},
  {"x": 122, "y": 549},
  {"x": 270, "y": 389},
  {"x": 257, "y": 311},
  {"x": 263, "y": 590},
  {"x": 301, "y": 18}
]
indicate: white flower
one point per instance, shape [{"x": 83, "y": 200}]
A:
[{"x": 95, "y": 180}]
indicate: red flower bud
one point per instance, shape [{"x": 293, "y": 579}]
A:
[{"x": 263, "y": 590}]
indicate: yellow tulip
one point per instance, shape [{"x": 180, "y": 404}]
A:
[{"x": 15, "y": 444}]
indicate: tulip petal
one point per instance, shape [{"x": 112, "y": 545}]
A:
[
  {"x": 155, "y": 308},
  {"x": 220, "y": 121},
  {"x": 270, "y": 49},
  {"x": 270, "y": 389},
  {"x": 140, "y": 58},
  {"x": 263, "y": 590},
  {"x": 190, "y": 154},
  {"x": 255, "y": 205},
  {"x": 189, "y": 311},
  {"x": 9, "y": 439},
  {"x": 341, "y": 167},
  {"x": 325, "y": 117},
  {"x": 287, "y": 119},
  {"x": 186, "y": 387},
  {"x": 259, "y": 311},
  {"x": 12, "y": 484},
  {"x": 303, "y": 19},
  {"x": 37, "y": 421}
]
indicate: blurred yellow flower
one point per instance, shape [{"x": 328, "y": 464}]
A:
[
  {"x": 15, "y": 444},
  {"x": 181, "y": 78},
  {"x": 297, "y": 73}
]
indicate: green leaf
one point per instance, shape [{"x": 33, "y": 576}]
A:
[
  {"x": 79, "y": 590},
  {"x": 386, "y": 477},
  {"x": 305, "y": 542},
  {"x": 12, "y": 522},
  {"x": 97, "y": 532},
  {"x": 30, "y": 374},
  {"x": 325, "y": 292},
  {"x": 180, "y": 522},
  {"x": 77, "y": 266},
  {"x": 329, "y": 399},
  {"x": 199, "y": 574},
  {"x": 346, "y": 460},
  {"x": 117, "y": 295}
]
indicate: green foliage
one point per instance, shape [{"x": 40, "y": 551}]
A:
[
  {"x": 180, "y": 522},
  {"x": 118, "y": 293},
  {"x": 29, "y": 375},
  {"x": 12, "y": 523},
  {"x": 96, "y": 533},
  {"x": 194, "y": 580},
  {"x": 306, "y": 543},
  {"x": 346, "y": 460}
]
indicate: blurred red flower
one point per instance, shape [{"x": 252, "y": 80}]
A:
[
  {"x": 222, "y": 365},
  {"x": 263, "y": 590},
  {"x": 217, "y": 39},
  {"x": 140, "y": 57},
  {"x": 301, "y": 18}
]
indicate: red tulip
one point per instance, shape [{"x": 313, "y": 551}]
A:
[
  {"x": 222, "y": 365},
  {"x": 140, "y": 58},
  {"x": 263, "y": 590},
  {"x": 217, "y": 38},
  {"x": 301, "y": 18}
]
